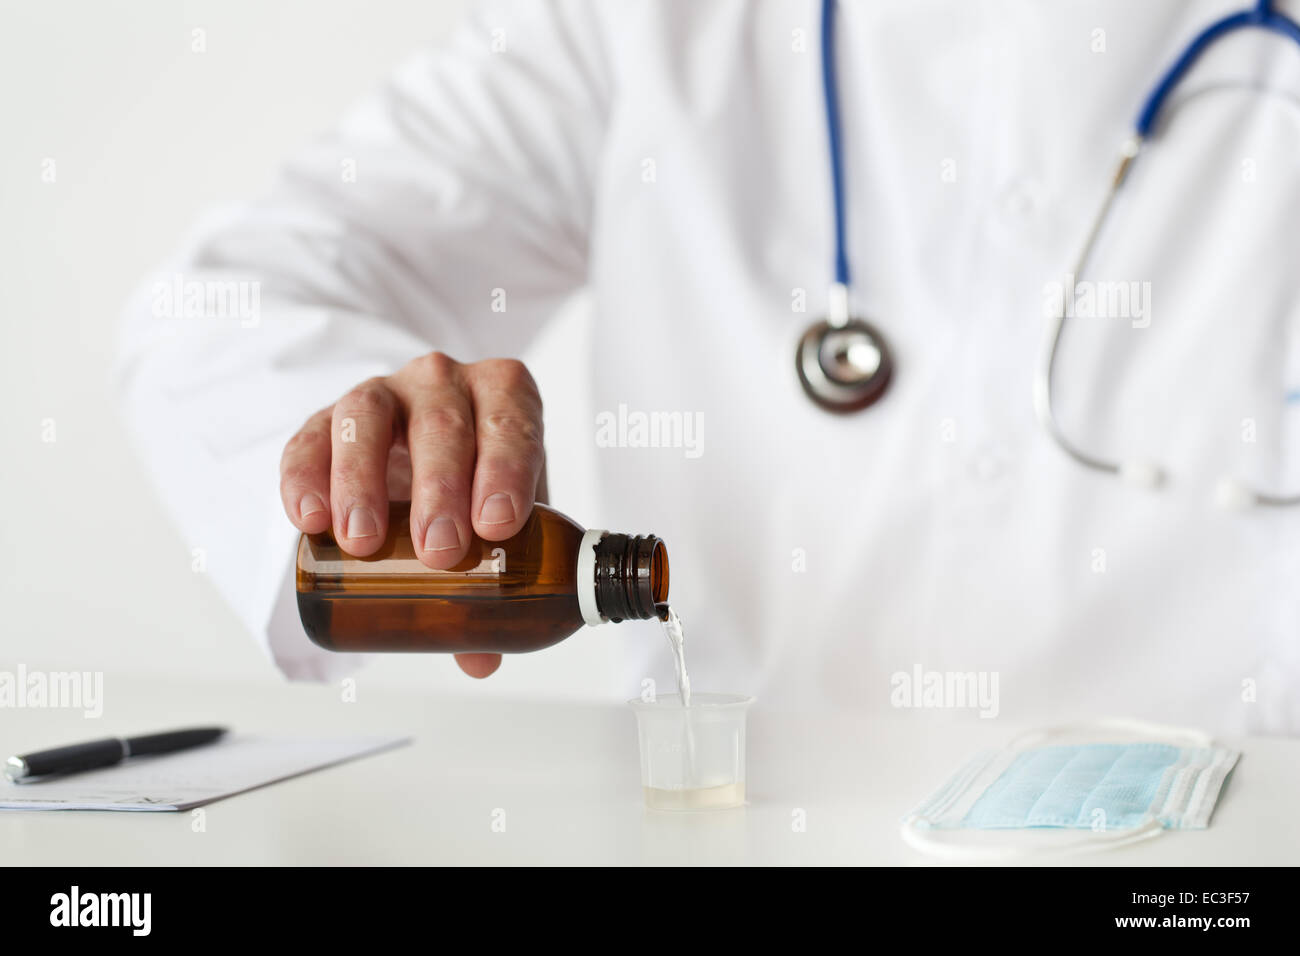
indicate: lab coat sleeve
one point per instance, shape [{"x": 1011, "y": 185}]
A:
[{"x": 448, "y": 211}]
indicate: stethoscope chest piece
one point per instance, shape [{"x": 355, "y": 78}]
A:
[{"x": 844, "y": 368}]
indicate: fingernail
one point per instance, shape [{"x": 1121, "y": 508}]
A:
[
  {"x": 309, "y": 505},
  {"x": 498, "y": 509},
  {"x": 361, "y": 524},
  {"x": 441, "y": 535}
]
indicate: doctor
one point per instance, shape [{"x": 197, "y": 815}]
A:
[{"x": 672, "y": 160}]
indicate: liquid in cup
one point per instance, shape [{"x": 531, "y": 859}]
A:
[{"x": 692, "y": 758}]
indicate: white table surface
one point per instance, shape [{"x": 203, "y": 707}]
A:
[{"x": 566, "y": 776}]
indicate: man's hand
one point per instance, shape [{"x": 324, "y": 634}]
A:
[{"x": 465, "y": 441}]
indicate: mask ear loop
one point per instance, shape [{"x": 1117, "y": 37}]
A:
[
  {"x": 1158, "y": 732},
  {"x": 927, "y": 840}
]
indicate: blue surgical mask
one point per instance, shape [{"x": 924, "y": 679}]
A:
[{"x": 1120, "y": 791}]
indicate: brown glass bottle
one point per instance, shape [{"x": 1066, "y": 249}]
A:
[{"x": 522, "y": 594}]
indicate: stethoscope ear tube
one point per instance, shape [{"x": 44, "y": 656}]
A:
[{"x": 1231, "y": 494}]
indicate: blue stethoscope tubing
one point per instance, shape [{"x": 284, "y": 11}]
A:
[
  {"x": 834, "y": 137},
  {"x": 1262, "y": 16},
  {"x": 843, "y": 362},
  {"x": 1231, "y": 492}
]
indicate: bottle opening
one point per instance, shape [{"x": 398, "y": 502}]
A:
[
  {"x": 631, "y": 577},
  {"x": 659, "y": 572}
]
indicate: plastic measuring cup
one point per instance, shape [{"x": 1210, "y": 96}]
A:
[{"x": 692, "y": 758}]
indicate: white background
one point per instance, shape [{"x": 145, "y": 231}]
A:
[{"x": 146, "y": 134}]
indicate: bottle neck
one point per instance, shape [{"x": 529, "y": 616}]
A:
[{"x": 628, "y": 577}]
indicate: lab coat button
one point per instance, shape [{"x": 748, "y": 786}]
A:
[
  {"x": 987, "y": 463},
  {"x": 1019, "y": 199}
]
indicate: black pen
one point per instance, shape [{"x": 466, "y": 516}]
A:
[{"x": 106, "y": 752}]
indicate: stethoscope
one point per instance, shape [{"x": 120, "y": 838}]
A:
[{"x": 844, "y": 363}]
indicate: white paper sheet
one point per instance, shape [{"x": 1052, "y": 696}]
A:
[{"x": 191, "y": 778}]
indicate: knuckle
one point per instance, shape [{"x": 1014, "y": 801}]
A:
[
  {"x": 370, "y": 397},
  {"x": 443, "y": 423},
  {"x": 351, "y": 476},
  {"x": 512, "y": 428},
  {"x": 513, "y": 369},
  {"x": 299, "y": 476},
  {"x": 434, "y": 367},
  {"x": 511, "y": 374},
  {"x": 307, "y": 443},
  {"x": 506, "y": 473},
  {"x": 434, "y": 486}
]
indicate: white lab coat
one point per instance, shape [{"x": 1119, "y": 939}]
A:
[{"x": 671, "y": 158}]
